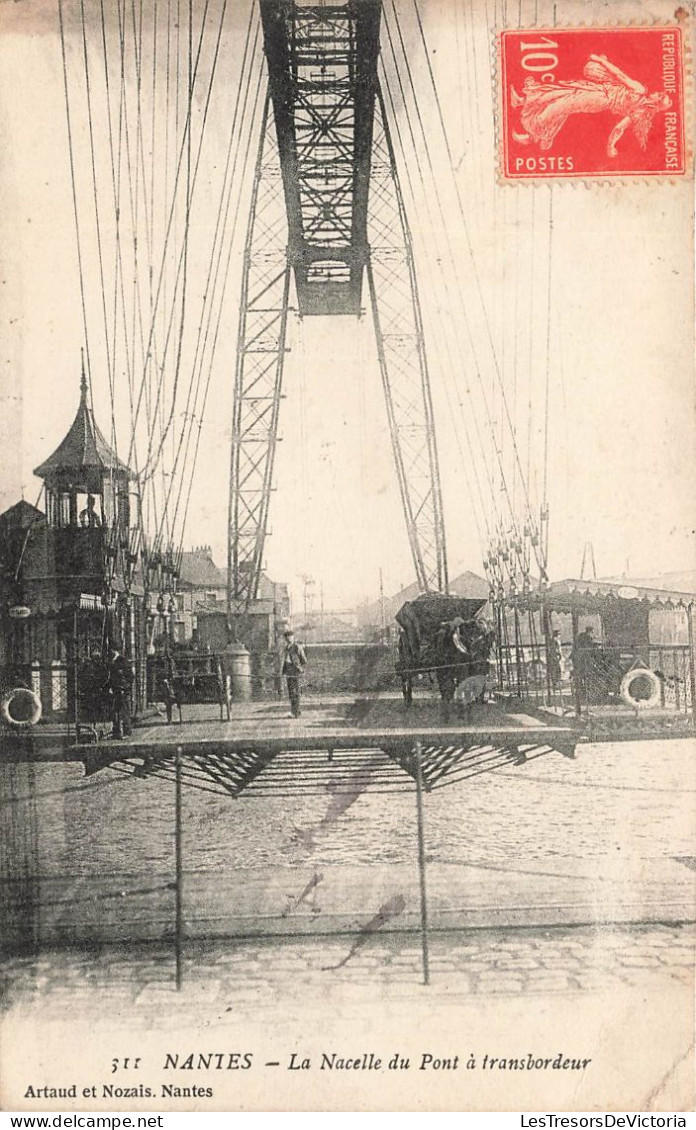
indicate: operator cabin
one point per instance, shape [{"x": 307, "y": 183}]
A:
[{"x": 70, "y": 577}]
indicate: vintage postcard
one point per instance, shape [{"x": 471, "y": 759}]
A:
[{"x": 347, "y": 556}]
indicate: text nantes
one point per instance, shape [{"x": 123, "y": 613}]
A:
[{"x": 209, "y": 1061}]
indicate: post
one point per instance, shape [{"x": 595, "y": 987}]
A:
[
  {"x": 76, "y": 677},
  {"x": 576, "y": 673},
  {"x": 178, "y": 927},
  {"x": 499, "y": 642},
  {"x": 692, "y": 664},
  {"x": 550, "y": 690},
  {"x": 421, "y": 862},
  {"x": 519, "y": 663},
  {"x": 382, "y": 606},
  {"x": 321, "y": 612}
]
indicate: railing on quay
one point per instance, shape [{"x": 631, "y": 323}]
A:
[{"x": 595, "y": 679}]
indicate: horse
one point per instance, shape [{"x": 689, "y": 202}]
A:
[{"x": 459, "y": 651}]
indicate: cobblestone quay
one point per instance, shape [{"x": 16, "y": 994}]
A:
[{"x": 515, "y": 858}]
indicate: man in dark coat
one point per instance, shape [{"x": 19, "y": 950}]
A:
[
  {"x": 119, "y": 683},
  {"x": 584, "y": 658},
  {"x": 555, "y": 659},
  {"x": 294, "y": 663}
]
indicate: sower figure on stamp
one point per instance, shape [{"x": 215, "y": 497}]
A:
[
  {"x": 546, "y": 106},
  {"x": 294, "y": 663},
  {"x": 119, "y": 683}
]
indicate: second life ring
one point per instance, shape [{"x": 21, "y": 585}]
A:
[
  {"x": 641, "y": 689},
  {"x": 20, "y": 708}
]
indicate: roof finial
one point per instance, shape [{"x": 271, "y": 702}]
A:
[{"x": 83, "y": 380}]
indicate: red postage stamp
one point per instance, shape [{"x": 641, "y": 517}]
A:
[{"x": 592, "y": 102}]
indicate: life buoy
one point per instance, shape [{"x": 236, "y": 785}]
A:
[
  {"x": 20, "y": 708},
  {"x": 641, "y": 689}
]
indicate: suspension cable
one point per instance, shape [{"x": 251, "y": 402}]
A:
[
  {"x": 469, "y": 248},
  {"x": 426, "y": 146},
  {"x": 445, "y": 338},
  {"x": 73, "y": 181}
]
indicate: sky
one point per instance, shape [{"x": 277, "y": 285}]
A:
[{"x": 600, "y": 303}]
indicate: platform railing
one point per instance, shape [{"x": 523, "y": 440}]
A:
[
  {"x": 639, "y": 678},
  {"x": 598, "y": 678}
]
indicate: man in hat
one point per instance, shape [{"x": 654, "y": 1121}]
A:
[
  {"x": 294, "y": 663},
  {"x": 119, "y": 683},
  {"x": 89, "y": 516},
  {"x": 584, "y": 657},
  {"x": 555, "y": 659}
]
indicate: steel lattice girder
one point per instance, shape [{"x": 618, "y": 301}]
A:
[
  {"x": 322, "y": 66},
  {"x": 403, "y": 363},
  {"x": 326, "y": 204},
  {"x": 259, "y": 373}
]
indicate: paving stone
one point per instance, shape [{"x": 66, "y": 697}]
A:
[
  {"x": 156, "y": 994},
  {"x": 639, "y": 960},
  {"x": 677, "y": 957},
  {"x": 221, "y": 974},
  {"x": 510, "y": 947},
  {"x": 457, "y": 984},
  {"x": 498, "y": 985},
  {"x": 518, "y": 963},
  {"x": 594, "y": 982},
  {"x": 540, "y": 979},
  {"x": 553, "y": 963},
  {"x": 678, "y": 973}
]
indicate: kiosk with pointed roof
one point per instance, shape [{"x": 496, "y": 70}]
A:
[
  {"x": 85, "y": 467},
  {"x": 74, "y": 570}
]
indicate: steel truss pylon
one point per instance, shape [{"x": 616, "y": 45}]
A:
[
  {"x": 393, "y": 287},
  {"x": 263, "y": 319},
  {"x": 396, "y": 314}
]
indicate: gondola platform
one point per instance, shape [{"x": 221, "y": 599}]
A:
[{"x": 328, "y": 724}]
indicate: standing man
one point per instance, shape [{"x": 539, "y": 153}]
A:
[
  {"x": 555, "y": 659},
  {"x": 294, "y": 663},
  {"x": 89, "y": 516},
  {"x": 583, "y": 656},
  {"x": 119, "y": 683}
]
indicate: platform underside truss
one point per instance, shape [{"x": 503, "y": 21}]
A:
[{"x": 341, "y": 774}]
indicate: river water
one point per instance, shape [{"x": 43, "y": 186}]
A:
[{"x": 84, "y": 843}]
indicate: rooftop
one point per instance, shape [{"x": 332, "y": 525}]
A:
[
  {"x": 84, "y": 447},
  {"x": 198, "y": 570}
]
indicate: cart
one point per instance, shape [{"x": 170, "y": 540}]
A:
[{"x": 444, "y": 637}]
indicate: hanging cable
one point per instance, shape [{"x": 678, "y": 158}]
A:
[
  {"x": 73, "y": 181},
  {"x": 468, "y": 241},
  {"x": 462, "y": 304},
  {"x": 406, "y": 164},
  {"x": 239, "y": 115}
]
